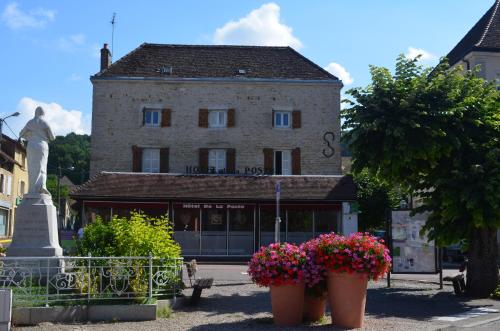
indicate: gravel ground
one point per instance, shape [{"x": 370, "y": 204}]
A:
[{"x": 229, "y": 306}]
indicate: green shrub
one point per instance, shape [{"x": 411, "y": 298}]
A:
[{"x": 140, "y": 235}]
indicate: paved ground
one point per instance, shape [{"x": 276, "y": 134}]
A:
[{"x": 235, "y": 304}]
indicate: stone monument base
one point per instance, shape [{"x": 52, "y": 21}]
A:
[{"x": 35, "y": 229}]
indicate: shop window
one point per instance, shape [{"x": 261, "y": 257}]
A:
[
  {"x": 217, "y": 119},
  {"x": 267, "y": 223},
  {"x": 3, "y": 222},
  {"x": 92, "y": 213},
  {"x": 283, "y": 162},
  {"x": 152, "y": 118},
  {"x": 151, "y": 160},
  {"x": 282, "y": 119},
  {"x": 214, "y": 232},
  {"x": 187, "y": 230},
  {"x": 217, "y": 160},
  {"x": 326, "y": 221},
  {"x": 300, "y": 226},
  {"x": 241, "y": 231}
]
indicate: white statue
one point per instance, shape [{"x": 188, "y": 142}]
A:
[{"x": 38, "y": 134}]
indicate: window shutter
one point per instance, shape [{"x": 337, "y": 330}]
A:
[
  {"x": 203, "y": 118},
  {"x": 296, "y": 161},
  {"x": 165, "y": 117},
  {"x": 231, "y": 160},
  {"x": 143, "y": 116},
  {"x": 164, "y": 160},
  {"x": 230, "y": 118},
  {"x": 296, "y": 119},
  {"x": 136, "y": 159},
  {"x": 203, "y": 160},
  {"x": 268, "y": 161},
  {"x": 272, "y": 118}
]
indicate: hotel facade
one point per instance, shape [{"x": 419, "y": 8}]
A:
[{"x": 206, "y": 134}]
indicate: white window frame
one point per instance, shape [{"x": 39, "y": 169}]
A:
[
  {"x": 151, "y": 123},
  {"x": 217, "y": 159},
  {"x": 217, "y": 118},
  {"x": 279, "y": 116},
  {"x": 151, "y": 160},
  {"x": 286, "y": 162}
]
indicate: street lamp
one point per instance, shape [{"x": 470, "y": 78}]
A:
[{"x": 1, "y": 124}]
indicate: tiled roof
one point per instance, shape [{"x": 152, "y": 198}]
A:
[
  {"x": 214, "y": 61},
  {"x": 484, "y": 36},
  {"x": 123, "y": 185}
]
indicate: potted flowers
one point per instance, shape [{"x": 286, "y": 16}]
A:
[
  {"x": 315, "y": 284},
  {"x": 351, "y": 261},
  {"x": 280, "y": 266}
]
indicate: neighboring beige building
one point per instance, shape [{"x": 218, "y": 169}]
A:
[
  {"x": 223, "y": 109},
  {"x": 481, "y": 46},
  {"x": 13, "y": 183}
]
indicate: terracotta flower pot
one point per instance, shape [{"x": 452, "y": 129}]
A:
[
  {"x": 314, "y": 307},
  {"x": 347, "y": 294},
  {"x": 287, "y": 303}
]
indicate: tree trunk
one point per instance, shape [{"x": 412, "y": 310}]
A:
[{"x": 482, "y": 268}]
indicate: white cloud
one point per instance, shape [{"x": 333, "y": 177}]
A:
[
  {"x": 62, "y": 121},
  {"x": 339, "y": 71},
  {"x": 424, "y": 55},
  {"x": 72, "y": 43},
  {"x": 75, "y": 77},
  {"x": 261, "y": 26},
  {"x": 15, "y": 18}
]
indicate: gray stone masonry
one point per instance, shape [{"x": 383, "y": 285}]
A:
[{"x": 117, "y": 121}]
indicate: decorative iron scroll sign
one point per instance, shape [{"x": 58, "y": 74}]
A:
[{"x": 330, "y": 151}]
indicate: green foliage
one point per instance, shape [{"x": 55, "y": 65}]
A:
[
  {"x": 164, "y": 312},
  {"x": 140, "y": 235},
  {"x": 52, "y": 187},
  {"x": 72, "y": 150},
  {"x": 375, "y": 197},
  {"x": 436, "y": 132}
]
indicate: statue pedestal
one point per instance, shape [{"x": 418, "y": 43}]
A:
[{"x": 35, "y": 229}]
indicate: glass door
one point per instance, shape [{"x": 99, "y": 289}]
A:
[
  {"x": 241, "y": 231},
  {"x": 187, "y": 230},
  {"x": 214, "y": 231}
]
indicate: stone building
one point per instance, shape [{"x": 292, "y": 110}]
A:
[{"x": 208, "y": 135}]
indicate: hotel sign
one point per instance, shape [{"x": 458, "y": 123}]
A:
[
  {"x": 209, "y": 206},
  {"x": 211, "y": 170}
]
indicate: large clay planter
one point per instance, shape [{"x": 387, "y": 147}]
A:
[
  {"x": 314, "y": 307},
  {"x": 347, "y": 294},
  {"x": 287, "y": 303}
]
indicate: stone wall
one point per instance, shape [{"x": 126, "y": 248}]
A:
[{"x": 117, "y": 122}]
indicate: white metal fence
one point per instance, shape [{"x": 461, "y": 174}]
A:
[{"x": 38, "y": 281}]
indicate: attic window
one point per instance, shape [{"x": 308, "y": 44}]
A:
[
  {"x": 242, "y": 71},
  {"x": 166, "y": 70}
]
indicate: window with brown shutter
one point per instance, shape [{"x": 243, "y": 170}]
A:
[
  {"x": 203, "y": 160},
  {"x": 296, "y": 161},
  {"x": 268, "y": 161},
  {"x": 231, "y": 160},
  {"x": 203, "y": 118},
  {"x": 165, "y": 117},
  {"x": 136, "y": 159},
  {"x": 296, "y": 119},
  {"x": 164, "y": 160},
  {"x": 230, "y": 118}
]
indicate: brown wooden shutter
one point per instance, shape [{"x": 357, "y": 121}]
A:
[
  {"x": 136, "y": 159},
  {"x": 230, "y": 118},
  {"x": 231, "y": 160},
  {"x": 203, "y": 118},
  {"x": 165, "y": 117},
  {"x": 164, "y": 160},
  {"x": 296, "y": 161},
  {"x": 268, "y": 161},
  {"x": 203, "y": 160},
  {"x": 296, "y": 119}
]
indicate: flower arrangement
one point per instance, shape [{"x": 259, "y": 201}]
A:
[
  {"x": 314, "y": 273},
  {"x": 277, "y": 264},
  {"x": 358, "y": 253}
]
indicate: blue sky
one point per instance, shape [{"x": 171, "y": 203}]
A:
[{"x": 50, "y": 48}]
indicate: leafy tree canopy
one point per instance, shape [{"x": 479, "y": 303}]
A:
[
  {"x": 437, "y": 132},
  {"x": 72, "y": 154}
]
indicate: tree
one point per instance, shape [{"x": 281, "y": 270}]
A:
[
  {"x": 70, "y": 152},
  {"x": 437, "y": 132},
  {"x": 375, "y": 198}
]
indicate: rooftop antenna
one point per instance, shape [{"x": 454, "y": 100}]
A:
[{"x": 113, "y": 21}]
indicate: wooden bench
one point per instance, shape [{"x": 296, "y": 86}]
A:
[
  {"x": 200, "y": 285},
  {"x": 458, "y": 283}
]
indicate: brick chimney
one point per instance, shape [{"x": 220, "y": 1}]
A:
[{"x": 105, "y": 57}]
